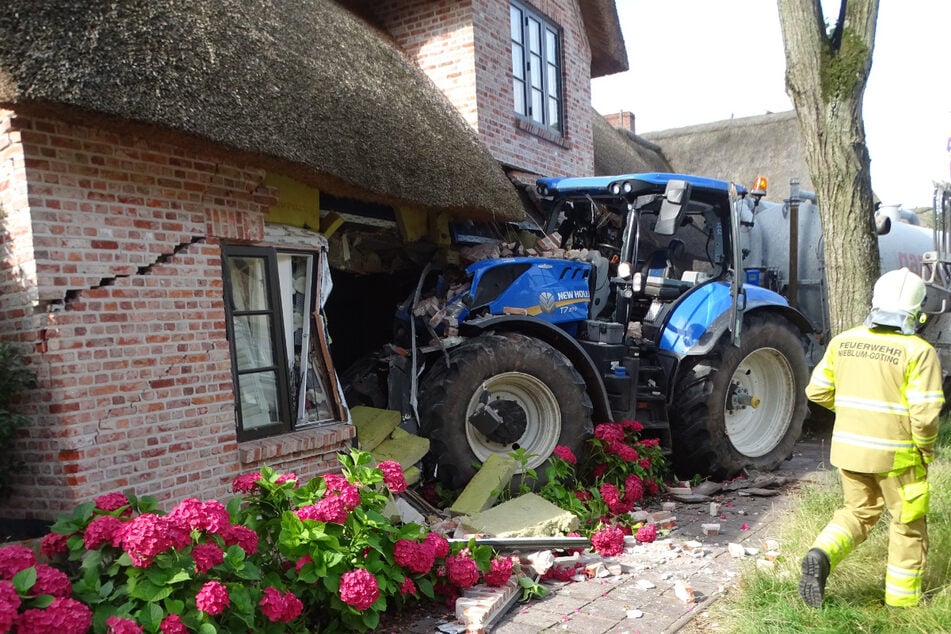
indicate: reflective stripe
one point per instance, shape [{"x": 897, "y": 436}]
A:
[
  {"x": 924, "y": 440},
  {"x": 870, "y": 405},
  {"x": 933, "y": 396},
  {"x": 871, "y": 442},
  {"x": 902, "y": 586},
  {"x": 835, "y": 541},
  {"x": 817, "y": 379}
]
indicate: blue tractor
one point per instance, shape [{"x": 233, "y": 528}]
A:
[{"x": 648, "y": 317}]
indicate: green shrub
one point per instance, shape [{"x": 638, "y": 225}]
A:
[{"x": 14, "y": 378}]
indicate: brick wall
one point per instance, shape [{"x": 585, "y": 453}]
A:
[
  {"x": 117, "y": 239},
  {"x": 465, "y": 48}
]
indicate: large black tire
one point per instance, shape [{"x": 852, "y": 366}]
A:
[
  {"x": 741, "y": 407},
  {"x": 511, "y": 367}
]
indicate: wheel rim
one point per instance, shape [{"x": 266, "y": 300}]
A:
[
  {"x": 766, "y": 376},
  {"x": 542, "y": 413}
]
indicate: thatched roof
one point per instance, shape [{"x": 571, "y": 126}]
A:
[
  {"x": 303, "y": 83},
  {"x": 618, "y": 151},
  {"x": 740, "y": 149},
  {"x": 603, "y": 28}
]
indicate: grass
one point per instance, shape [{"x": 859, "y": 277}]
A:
[{"x": 767, "y": 602}]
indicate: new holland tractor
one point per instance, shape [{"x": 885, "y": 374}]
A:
[{"x": 644, "y": 313}]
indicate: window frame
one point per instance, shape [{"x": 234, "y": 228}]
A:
[
  {"x": 552, "y": 68},
  {"x": 286, "y": 387}
]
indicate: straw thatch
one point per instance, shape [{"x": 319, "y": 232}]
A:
[
  {"x": 739, "y": 150},
  {"x": 618, "y": 151},
  {"x": 603, "y": 28},
  {"x": 303, "y": 83}
]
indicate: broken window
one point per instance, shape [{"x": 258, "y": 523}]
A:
[
  {"x": 536, "y": 67},
  {"x": 278, "y": 355}
]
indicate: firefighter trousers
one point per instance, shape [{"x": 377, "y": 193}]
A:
[{"x": 864, "y": 496}]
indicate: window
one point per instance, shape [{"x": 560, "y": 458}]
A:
[
  {"x": 536, "y": 67},
  {"x": 281, "y": 382}
]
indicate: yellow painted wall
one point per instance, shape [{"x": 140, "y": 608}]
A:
[{"x": 298, "y": 205}]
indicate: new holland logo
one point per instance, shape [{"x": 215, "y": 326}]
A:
[{"x": 547, "y": 302}]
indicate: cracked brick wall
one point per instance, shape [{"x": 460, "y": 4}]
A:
[{"x": 112, "y": 278}]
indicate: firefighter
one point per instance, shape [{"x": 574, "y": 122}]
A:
[{"x": 884, "y": 384}]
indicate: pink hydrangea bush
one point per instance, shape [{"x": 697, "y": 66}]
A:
[{"x": 281, "y": 556}]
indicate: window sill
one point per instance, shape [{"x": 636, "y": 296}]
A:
[
  {"x": 542, "y": 132},
  {"x": 308, "y": 440}
]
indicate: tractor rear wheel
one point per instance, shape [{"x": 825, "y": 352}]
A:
[
  {"x": 501, "y": 393},
  {"x": 741, "y": 407}
]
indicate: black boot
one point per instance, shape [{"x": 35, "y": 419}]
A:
[{"x": 815, "y": 571}]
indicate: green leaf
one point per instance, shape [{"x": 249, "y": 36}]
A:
[
  {"x": 425, "y": 586},
  {"x": 148, "y": 591},
  {"x": 207, "y": 628},
  {"x": 42, "y": 601},
  {"x": 241, "y": 598},
  {"x": 24, "y": 580},
  {"x": 150, "y": 616},
  {"x": 174, "y": 606},
  {"x": 371, "y": 618},
  {"x": 106, "y": 589}
]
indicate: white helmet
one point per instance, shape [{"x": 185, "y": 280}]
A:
[{"x": 896, "y": 300}]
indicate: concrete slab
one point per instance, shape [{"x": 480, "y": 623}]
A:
[
  {"x": 528, "y": 515},
  {"x": 483, "y": 489}
]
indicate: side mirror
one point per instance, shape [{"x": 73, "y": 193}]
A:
[{"x": 673, "y": 208}]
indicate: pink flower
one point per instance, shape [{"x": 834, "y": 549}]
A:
[
  {"x": 500, "y": 569},
  {"x": 212, "y": 598},
  {"x": 644, "y": 463},
  {"x": 100, "y": 531},
  {"x": 407, "y": 587},
  {"x": 9, "y": 604},
  {"x": 143, "y": 538},
  {"x": 214, "y": 516},
  {"x": 287, "y": 477},
  {"x": 53, "y": 544},
  {"x": 633, "y": 488},
  {"x": 649, "y": 442},
  {"x": 118, "y": 625},
  {"x": 280, "y": 608},
  {"x": 62, "y": 616},
  {"x": 462, "y": 569},
  {"x": 359, "y": 589},
  {"x": 303, "y": 561},
  {"x": 187, "y": 515},
  {"x": 745, "y": 527},
  {"x": 646, "y": 533},
  {"x": 621, "y": 450},
  {"x": 608, "y": 541},
  {"x": 207, "y": 556},
  {"x": 440, "y": 543},
  {"x": 418, "y": 558},
  {"x": 330, "y": 509},
  {"x": 243, "y": 536},
  {"x": 15, "y": 558},
  {"x": 599, "y": 470},
  {"x": 633, "y": 425},
  {"x": 246, "y": 483},
  {"x": 112, "y": 501},
  {"x": 652, "y": 487},
  {"x": 583, "y": 495},
  {"x": 393, "y": 476},
  {"x": 565, "y": 454},
  {"x": 339, "y": 486},
  {"x": 51, "y": 581},
  {"x": 172, "y": 624},
  {"x": 609, "y": 432}
]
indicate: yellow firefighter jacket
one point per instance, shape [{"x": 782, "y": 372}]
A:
[{"x": 885, "y": 389}]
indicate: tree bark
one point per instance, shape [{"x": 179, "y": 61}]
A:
[{"x": 826, "y": 75}]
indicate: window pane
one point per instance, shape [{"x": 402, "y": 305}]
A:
[
  {"x": 518, "y": 61},
  {"x": 552, "y": 82},
  {"x": 248, "y": 285},
  {"x": 536, "y": 71},
  {"x": 252, "y": 342},
  {"x": 553, "y": 114},
  {"x": 551, "y": 46},
  {"x": 538, "y": 106},
  {"x": 258, "y": 395},
  {"x": 534, "y": 36},
  {"x": 519, "y": 89},
  {"x": 515, "y": 20}
]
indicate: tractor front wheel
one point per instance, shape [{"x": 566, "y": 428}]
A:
[
  {"x": 501, "y": 393},
  {"x": 741, "y": 407}
]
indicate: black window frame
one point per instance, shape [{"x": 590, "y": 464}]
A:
[
  {"x": 285, "y": 386},
  {"x": 552, "y": 68}
]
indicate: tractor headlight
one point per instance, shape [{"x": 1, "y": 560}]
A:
[
  {"x": 637, "y": 282},
  {"x": 624, "y": 269},
  {"x": 628, "y": 187},
  {"x": 615, "y": 188}
]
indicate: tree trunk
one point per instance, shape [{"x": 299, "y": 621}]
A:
[{"x": 826, "y": 74}]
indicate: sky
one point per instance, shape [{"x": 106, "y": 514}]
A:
[{"x": 697, "y": 61}]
